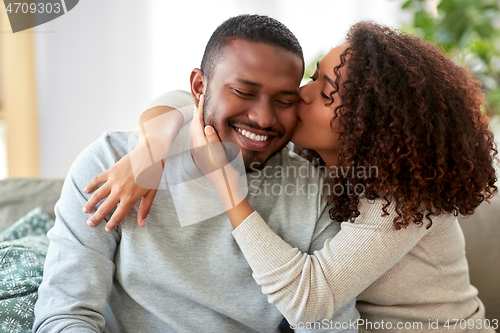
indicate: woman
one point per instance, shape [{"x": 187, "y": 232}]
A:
[{"x": 390, "y": 101}]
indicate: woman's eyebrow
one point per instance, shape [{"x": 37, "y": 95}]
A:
[
  {"x": 329, "y": 80},
  {"x": 325, "y": 76}
]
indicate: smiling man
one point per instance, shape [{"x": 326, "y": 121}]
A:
[
  {"x": 168, "y": 278},
  {"x": 251, "y": 96}
]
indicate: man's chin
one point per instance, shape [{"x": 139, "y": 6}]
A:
[{"x": 255, "y": 162}]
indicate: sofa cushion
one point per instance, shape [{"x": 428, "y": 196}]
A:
[
  {"x": 482, "y": 234},
  {"x": 18, "y": 196},
  {"x": 23, "y": 248}
]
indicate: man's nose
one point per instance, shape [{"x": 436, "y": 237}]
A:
[{"x": 263, "y": 114}]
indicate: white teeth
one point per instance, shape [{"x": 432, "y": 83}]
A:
[{"x": 253, "y": 136}]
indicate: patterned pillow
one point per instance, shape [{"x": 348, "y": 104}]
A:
[{"x": 23, "y": 247}]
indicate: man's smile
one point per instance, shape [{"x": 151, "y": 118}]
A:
[
  {"x": 252, "y": 139},
  {"x": 252, "y": 135}
]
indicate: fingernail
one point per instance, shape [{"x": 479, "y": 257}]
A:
[
  {"x": 209, "y": 130},
  {"x": 85, "y": 210},
  {"x": 86, "y": 190},
  {"x": 90, "y": 223},
  {"x": 143, "y": 222},
  {"x": 108, "y": 229}
]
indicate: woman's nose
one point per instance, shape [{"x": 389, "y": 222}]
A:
[{"x": 305, "y": 93}]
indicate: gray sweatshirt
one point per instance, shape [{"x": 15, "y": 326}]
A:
[{"x": 168, "y": 278}]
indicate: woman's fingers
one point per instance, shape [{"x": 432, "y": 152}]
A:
[
  {"x": 120, "y": 188},
  {"x": 197, "y": 136},
  {"x": 217, "y": 150},
  {"x": 200, "y": 106},
  {"x": 145, "y": 206},
  {"x": 97, "y": 196},
  {"x": 118, "y": 215},
  {"x": 99, "y": 179},
  {"x": 211, "y": 134},
  {"x": 104, "y": 209}
]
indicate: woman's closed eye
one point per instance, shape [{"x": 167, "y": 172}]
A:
[
  {"x": 314, "y": 77},
  {"x": 325, "y": 96}
]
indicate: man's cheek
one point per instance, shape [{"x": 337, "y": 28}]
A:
[{"x": 227, "y": 134}]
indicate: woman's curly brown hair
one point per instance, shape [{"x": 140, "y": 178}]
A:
[{"x": 415, "y": 115}]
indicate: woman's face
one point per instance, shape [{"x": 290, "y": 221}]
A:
[{"x": 315, "y": 110}]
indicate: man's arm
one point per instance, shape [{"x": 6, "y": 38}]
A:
[{"x": 73, "y": 294}]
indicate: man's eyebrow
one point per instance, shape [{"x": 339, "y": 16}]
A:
[
  {"x": 248, "y": 82},
  {"x": 290, "y": 92},
  {"x": 256, "y": 84}
]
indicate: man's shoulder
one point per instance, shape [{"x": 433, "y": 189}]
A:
[
  {"x": 299, "y": 168},
  {"x": 286, "y": 157},
  {"x": 297, "y": 159},
  {"x": 111, "y": 145},
  {"x": 103, "y": 153}
]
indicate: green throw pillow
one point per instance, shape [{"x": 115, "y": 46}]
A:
[{"x": 23, "y": 247}]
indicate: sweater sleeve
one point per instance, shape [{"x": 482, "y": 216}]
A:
[
  {"x": 179, "y": 99},
  {"x": 156, "y": 136},
  {"x": 308, "y": 288}
]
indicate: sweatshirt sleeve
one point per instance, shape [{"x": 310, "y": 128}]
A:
[
  {"x": 79, "y": 267},
  {"x": 308, "y": 288}
]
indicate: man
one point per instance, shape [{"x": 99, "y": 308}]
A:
[{"x": 168, "y": 278}]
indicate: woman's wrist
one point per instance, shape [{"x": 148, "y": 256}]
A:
[
  {"x": 226, "y": 183},
  {"x": 239, "y": 213}
]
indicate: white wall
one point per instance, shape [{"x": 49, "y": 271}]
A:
[
  {"x": 102, "y": 61},
  {"x": 93, "y": 74},
  {"x": 179, "y": 40}
]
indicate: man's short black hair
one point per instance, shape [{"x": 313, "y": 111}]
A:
[{"x": 251, "y": 28}]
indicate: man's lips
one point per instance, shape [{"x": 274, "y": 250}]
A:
[{"x": 254, "y": 139}]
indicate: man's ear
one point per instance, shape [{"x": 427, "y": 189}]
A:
[{"x": 198, "y": 85}]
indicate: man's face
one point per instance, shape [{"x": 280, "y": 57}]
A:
[{"x": 251, "y": 99}]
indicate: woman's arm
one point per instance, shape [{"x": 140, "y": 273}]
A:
[
  {"x": 304, "y": 287},
  {"x": 132, "y": 178},
  {"x": 308, "y": 288}
]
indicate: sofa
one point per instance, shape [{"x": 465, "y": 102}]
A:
[{"x": 18, "y": 196}]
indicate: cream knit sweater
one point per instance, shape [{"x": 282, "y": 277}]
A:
[{"x": 400, "y": 277}]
